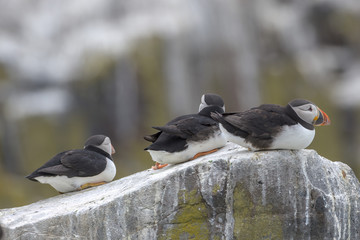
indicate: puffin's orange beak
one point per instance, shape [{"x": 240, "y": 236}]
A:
[
  {"x": 112, "y": 149},
  {"x": 323, "y": 119}
]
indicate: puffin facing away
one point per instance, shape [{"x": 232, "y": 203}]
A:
[
  {"x": 271, "y": 126},
  {"x": 79, "y": 169},
  {"x": 189, "y": 136}
]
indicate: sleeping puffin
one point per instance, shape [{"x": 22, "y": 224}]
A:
[
  {"x": 189, "y": 136},
  {"x": 79, "y": 169},
  {"x": 271, "y": 126}
]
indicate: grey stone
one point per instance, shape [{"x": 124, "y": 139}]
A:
[{"x": 231, "y": 194}]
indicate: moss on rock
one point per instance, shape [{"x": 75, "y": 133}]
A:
[
  {"x": 253, "y": 220},
  {"x": 190, "y": 221}
]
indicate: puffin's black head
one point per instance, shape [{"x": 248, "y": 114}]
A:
[
  {"x": 212, "y": 100},
  {"x": 102, "y": 142},
  {"x": 309, "y": 112}
]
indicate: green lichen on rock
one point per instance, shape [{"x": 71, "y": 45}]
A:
[
  {"x": 254, "y": 220},
  {"x": 216, "y": 189},
  {"x": 190, "y": 221}
]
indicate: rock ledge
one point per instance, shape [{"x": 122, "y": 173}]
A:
[{"x": 231, "y": 194}]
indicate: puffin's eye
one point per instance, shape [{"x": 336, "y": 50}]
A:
[{"x": 310, "y": 109}]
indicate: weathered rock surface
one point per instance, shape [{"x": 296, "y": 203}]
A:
[{"x": 232, "y": 194}]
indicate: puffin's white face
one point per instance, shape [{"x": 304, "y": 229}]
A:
[
  {"x": 202, "y": 103},
  {"x": 307, "y": 112},
  {"x": 107, "y": 147}
]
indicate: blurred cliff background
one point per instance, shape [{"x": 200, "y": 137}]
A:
[{"x": 70, "y": 69}]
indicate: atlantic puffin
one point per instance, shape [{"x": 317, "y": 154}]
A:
[
  {"x": 79, "y": 169},
  {"x": 189, "y": 136},
  {"x": 271, "y": 126}
]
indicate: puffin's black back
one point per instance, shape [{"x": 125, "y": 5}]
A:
[
  {"x": 265, "y": 116},
  {"x": 173, "y": 143},
  {"x": 152, "y": 138},
  {"x": 175, "y": 134},
  {"x": 52, "y": 162},
  {"x": 81, "y": 163}
]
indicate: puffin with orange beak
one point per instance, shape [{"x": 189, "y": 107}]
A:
[
  {"x": 271, "y": 126},
  {"x": 80, "y": 168}
]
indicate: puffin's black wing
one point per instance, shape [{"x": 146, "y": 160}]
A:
[
  {"x": 152, "y": 138},
  {"x": 262, "y": 122},
  {"x": 51, "y": 163},
  {"x": 81, "y": 163},
  {"x": 174, "y": 135},
  {"x": 188, "y": 128}
]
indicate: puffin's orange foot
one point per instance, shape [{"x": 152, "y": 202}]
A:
[
  {"x": 88, "y": 185},
  {"x": 158, "y": 166},
  {"x": 204, "y": 153}
]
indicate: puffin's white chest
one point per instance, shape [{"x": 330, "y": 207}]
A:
[
  {"x": 65, "y": 184},
  {"x": 293, "y": 137},
  {"x": 235, "y": 139}
]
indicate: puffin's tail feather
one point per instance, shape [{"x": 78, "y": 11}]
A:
[
  {"x": 31, "y": 177},
  {"x": 152, "y": 138}
]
